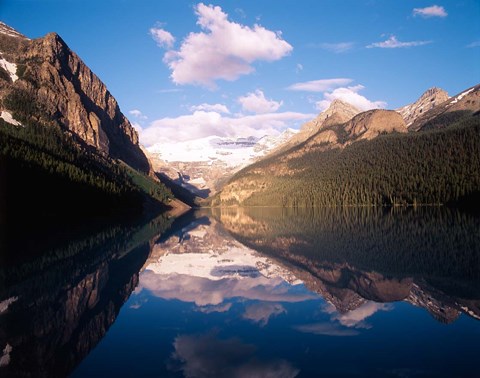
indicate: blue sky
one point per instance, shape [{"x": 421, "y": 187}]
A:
[{"x": 184, "y": 69}]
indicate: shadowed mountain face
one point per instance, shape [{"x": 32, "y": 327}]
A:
[
  {"x": 350, "y": 256},
  {"x": 55, "y": 309},
  {"x": 43, "y": 81}
]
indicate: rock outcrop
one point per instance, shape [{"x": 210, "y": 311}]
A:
[
  {"x": 54, "y": 86},
  {"x": 337, "y": 113},
  {"x": 368, "y": 125},
  {"x": 428, "y": 100},
  {"x": 456, "y": 107}
]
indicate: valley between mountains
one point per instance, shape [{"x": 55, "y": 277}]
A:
[{"x": 66, "y": 148}]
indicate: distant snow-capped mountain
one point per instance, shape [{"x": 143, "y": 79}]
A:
[{"x": 201, "y": 165}]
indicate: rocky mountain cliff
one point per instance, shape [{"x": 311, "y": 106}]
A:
[
  {"x": 337, "y": 113},
  {"x": 428, "y": 100},
  {"x": 43, "y": 81},
  {"x": 366, "y": 125},
  {"x": 462, "y": 105}
]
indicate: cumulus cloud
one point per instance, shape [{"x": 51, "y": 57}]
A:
[
  {"x": 433, "y": 11},
  {"x": 222, "y": 50},
  {"x": 319, "y": 85},
  {"x": 163, "y": 38},
  {"x": 394, "y": 43},
  {"x": 206, "y": 293},
  {"x": 137, "y": 114},
  {"x": 351, "y": 96},
  {"x": 208, "y": 356},
  {"x": 337, "y": 48},
  {"x": 356, "y": 318},
  {"x": 202, "y": 123},
  {"x": 219, "y": 108},
  {"x": 262, "y": 312},
  {"x": 255, "y": 102}
]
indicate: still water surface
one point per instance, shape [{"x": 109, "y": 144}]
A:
[{"x": 253, "y": 293}]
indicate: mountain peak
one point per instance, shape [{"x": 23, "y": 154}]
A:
[
  {"x": 432, "y": 91},
  {"x": 428, "y": 100},
  {"x": 340, "y": 107},
  {"x": 338, "y": 103}
]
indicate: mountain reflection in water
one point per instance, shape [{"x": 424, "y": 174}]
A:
[{"x": 254, "y": 292}]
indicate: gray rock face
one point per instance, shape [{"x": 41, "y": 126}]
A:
[
  {"x": 61, "y": 89},
  {"x": 428, "y": 100}
]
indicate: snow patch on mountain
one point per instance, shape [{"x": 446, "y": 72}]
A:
[
  {"x": 460, "y": 96},
  {"x": 11, "y": 68},
  {"x": 11, "y": 32},
  {"x": 7, "y": 117}
]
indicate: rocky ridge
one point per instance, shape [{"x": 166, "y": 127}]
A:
[
  {"x": 337, "y": 113},
  {"x": 43, "y": 81},
  {"x": 431, "y": 98},
  {"x": 456, "y": 107}
]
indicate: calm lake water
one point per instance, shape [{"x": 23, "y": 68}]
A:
[{"x": 252, "y": 293}]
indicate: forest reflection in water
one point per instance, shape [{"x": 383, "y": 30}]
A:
[{"x": 255, "y": 291}]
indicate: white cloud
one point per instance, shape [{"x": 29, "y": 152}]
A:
[
  {"x": 208, "y": 356},
  {"x": 163, "y": 38},
  {"x": 393, "y": 43},
  {"x": 219, "y": 108},
  {"x": 351, "y": 96},
  {"x": 433, "y": 11},
  {"x": 263, "y": 311},
  {"x": 137, "y": 127},
  {"x": 337, "y": 47},
  {"x": 137, "y": 114},
  {"x": 205, "y": 292},
  {"x": 319, "y": 85},
  {"x": 223, "y": 50},
  {"x": 255, "y": 102},
  {"x": 356, "y": 318},
  {"x": 474, "y": 44},
  {"x": 201, "y": 124},
  {"x": 299, "y": 68}
]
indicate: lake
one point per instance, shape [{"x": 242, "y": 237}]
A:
[{"x": 254, "y": 292}]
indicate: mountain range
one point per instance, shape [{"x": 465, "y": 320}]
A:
[
  {"x": 63, "y": 130},
  {"x": 423, "y": 153}
]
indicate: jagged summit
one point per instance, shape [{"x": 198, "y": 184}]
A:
[
  {"x": 11, "y": 32},
  {"x": 337, "y": 113},
  {"x": 71, "y": 95},
  {"x": 468, "y": 101},
  {"x": 431, "y": 98}
]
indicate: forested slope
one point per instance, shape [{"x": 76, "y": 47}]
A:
[{"x": 438, "y": 166}]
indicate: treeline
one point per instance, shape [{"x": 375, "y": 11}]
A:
[
  {"x": 47, "y": 174},
  {"x": 431, "y": 167}
]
